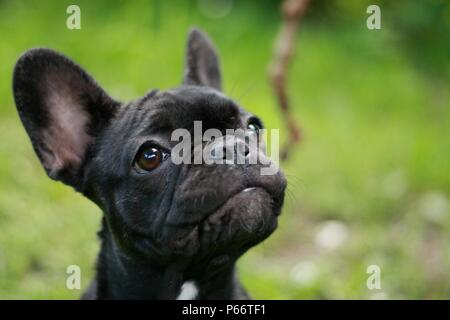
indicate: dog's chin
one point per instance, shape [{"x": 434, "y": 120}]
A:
[
  {"x": 247, "y": 217},
  {"x": 243, "y": 221}
]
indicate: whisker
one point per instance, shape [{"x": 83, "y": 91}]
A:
[{"x": 248, "y": 89}]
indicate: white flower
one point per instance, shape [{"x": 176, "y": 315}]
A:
[
  {"x": 331, "y": 235},
  {"x": 304, "y": 272},
  {"x": 434, "y": 206}
]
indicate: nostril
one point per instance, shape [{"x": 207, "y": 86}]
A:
[
  {"x": 246, "y": 150},
  {"x": 242, "y": 149}
]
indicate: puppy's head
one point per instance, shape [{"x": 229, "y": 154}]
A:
[{"x": 121, "y": 156}]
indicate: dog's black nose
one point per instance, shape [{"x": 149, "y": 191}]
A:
[{"x": 229, "y": 149}]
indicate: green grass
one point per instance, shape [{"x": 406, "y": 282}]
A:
[{"x": 374, "y": 157}]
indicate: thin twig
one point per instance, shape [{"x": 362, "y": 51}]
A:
[{"x": 292, "y": 13}]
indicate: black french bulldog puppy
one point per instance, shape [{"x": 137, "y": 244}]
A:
[{"x": 164, "y": 224}]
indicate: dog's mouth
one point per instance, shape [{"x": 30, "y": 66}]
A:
[
  {"x": 247, "y": 205},
  {"x": 241, "y": 221},
  {"x": 247, "y": 196}
]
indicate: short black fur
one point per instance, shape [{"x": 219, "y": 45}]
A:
[{"x": 177, "y": 223}]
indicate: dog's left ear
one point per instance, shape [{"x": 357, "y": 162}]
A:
[
  {"x": 202, "y": 62},
  {"x": 62, "y": 109}
]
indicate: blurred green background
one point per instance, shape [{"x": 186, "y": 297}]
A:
[{"x": 369, "y": 184}]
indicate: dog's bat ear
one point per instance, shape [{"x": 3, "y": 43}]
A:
[
  {"x": 202, "y": 62},
  {"x": 62, "y": 109}
]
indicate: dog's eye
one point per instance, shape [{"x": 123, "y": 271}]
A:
[
  {"x": 149, "y": 158},
  {"x": 254, "y": 127}
]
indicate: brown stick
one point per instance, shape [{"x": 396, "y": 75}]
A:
[{"x": 292, "y": 12}]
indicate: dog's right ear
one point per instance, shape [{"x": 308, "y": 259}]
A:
[
  {"x": 62, "y": 109},
  {"x": 202, "y": 62}
]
